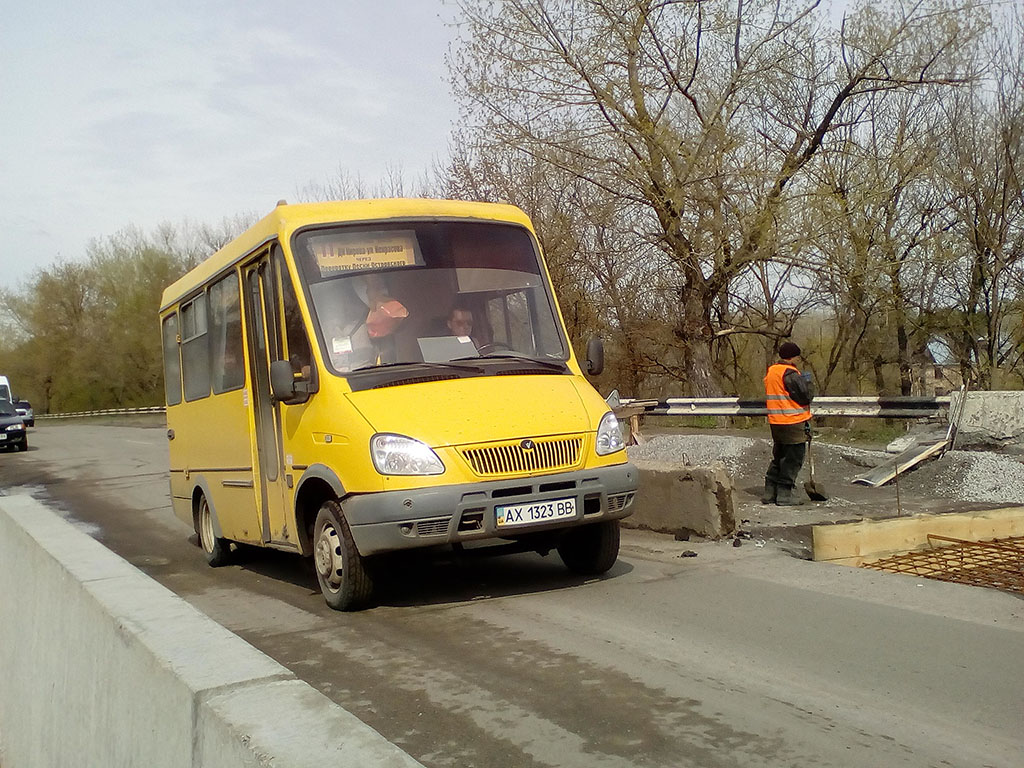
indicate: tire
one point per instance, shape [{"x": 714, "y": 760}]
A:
[
  {"x": 24, "y": 445},
  {"x": 591, "y": 549},
  {"x": 216, "y": 549},
  {"x": 339, "y": 567}
]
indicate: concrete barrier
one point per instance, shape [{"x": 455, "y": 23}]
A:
[
  {"x": 103, "y": 666},
  {"x": 676, "y": 498},
  {"x": 990, "y": 418}
]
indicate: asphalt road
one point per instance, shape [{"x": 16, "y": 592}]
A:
[{"x": 737, "y": 657}]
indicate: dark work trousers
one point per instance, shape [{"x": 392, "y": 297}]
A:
[{"x": 787, "y": 458}]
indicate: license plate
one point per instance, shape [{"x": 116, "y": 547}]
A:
[
  {"x": 3, "y": 435},
  {"x": 534, "y": 512}
]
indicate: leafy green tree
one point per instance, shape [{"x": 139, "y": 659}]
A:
[{"x": 84, "y": 334}]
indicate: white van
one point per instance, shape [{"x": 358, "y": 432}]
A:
[{"x": 5, "y": 389}]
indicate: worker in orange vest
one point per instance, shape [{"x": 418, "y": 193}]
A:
[{"x": 788, "y": 394}]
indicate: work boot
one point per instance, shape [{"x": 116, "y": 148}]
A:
[
  {"x": 770, "y": 489},
  {"x": 786, "y": 497}
]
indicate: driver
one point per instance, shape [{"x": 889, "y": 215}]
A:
[{"x": 460, "y": 321}]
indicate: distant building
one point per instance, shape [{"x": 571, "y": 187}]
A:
[{"x": 937, "y": 371}]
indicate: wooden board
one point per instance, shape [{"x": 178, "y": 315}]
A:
[
  {"x": 870, "y": 540},
  {"x": 911, "y": 457},
  {"x": 630, "y": 414}
]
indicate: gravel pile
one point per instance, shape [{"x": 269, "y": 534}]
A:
[
  {"x": 969, "y": 476},
  {"x": 979, "y": 476},
  {"x": 698, "y": 450}
]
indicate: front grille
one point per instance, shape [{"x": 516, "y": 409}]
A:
[
  {"x": 432, "y": 527},
  {"x": 513, "y": 459},
  {"x": 619, "y": 501}
]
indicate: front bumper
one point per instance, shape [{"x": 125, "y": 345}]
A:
[
  {"x": 395, "y": 520},
  {"x": 18, "y": 437}
]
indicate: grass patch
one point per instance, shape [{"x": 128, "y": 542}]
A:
[
  {"x": 155, "y": 420},
  {"x": 865, "y": 432},
  {"x": 668, "y": 423}
]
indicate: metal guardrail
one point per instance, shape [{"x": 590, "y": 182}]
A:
[
  {"x": 870, "y": 407},
  {"x": 863, "y": 407},
  {"x": 104, "y": 412}
]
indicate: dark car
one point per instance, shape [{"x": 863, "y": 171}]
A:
[
  {"x": 12, "y": 428},
  {"x": 24, "y": 409}
]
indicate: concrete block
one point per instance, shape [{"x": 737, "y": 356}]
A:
[
  {"x": 103, "y": 666},
  {"x": 990, "y": 418},
  {"x": 288, "y": 724},
  {"x": 677, "y": 498},
  {"x": 100, "y": 660}
]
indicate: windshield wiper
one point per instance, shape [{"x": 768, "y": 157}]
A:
[
  {"x": 554, "y": 365},
  {"x": 421, "y": 364}
]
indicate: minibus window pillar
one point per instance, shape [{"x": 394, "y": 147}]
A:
[{"x": 259, "y": 334}]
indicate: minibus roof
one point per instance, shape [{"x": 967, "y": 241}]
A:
[{"x": 281, "y": 222}]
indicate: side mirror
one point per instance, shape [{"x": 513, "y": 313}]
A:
[
  {"x": 282, "y": 381},
  {"x": 595, "y": 356}
]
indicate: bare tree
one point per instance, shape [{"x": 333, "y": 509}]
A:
[
  {"x": 699, "y": 118},
  {"x": 343, "y": 185},
  {"x": 883, "y": 215},
  {"x": 984, "y": 171}
]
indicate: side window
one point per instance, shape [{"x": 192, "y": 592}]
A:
[
  {"x": 519, "y": 322},
  {"x": 195, "y": 353},
  {"x": 518, "y": 325},
  {"x": 172, "y": 362},
  {"x": 510, "y": 318},
  {"x": 226, "y": 354},
  {"x": 296, "y": 341},
  {"x": 496, "y": 316}
]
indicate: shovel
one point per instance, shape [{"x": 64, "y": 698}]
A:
[{"x": 813, "y": 490}]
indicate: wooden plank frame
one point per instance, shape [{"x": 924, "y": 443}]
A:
[{"x": 870, "y": 540}]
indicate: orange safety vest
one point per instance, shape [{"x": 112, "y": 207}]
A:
[{"x": 782, "y": 409}]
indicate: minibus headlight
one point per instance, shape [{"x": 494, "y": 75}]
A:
[
  {"x": 609, "y": 435},
  {"x": 399, "y": 455}
]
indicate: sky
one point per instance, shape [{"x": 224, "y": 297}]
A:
[{"x": 138, "y": 113}]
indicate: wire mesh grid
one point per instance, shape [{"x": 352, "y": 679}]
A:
[{"x": 998, "y": 563}]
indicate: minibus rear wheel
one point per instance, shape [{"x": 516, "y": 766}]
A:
[
  {"x": 591, "y": 549},
  {"x": 340, "y": 569},
  {"x": 217, "y": 550}
]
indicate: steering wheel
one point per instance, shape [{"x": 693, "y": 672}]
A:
[{"x": 494, "y": 346}]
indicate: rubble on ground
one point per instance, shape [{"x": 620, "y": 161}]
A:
[
  {"x": 695, "y": 449},
  {"x": 972, "y": 476},
  {"x": 960, "y": 475}
]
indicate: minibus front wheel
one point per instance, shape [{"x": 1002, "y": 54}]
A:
[
  {"x": 343, "y": 578},
  {"x": 590, "y": 549}
]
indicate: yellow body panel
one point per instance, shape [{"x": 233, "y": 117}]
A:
[
  {"x": 327, "y": 430},
  {"x": 479, "y": 410},
  {"x": 211, "y": 442},
  {"x": 442, "y": 414}
]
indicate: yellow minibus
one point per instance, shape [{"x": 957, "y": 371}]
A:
[{"x": 352, "y": 378}]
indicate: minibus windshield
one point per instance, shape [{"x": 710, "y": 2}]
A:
[{"x": 388, "y": 294}]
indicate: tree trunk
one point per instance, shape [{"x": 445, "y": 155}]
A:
[
  {"x": 696, "y": 337},
  {"x": 906, "y": 370}
]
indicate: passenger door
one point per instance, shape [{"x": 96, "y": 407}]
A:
[{"x": 264, "y": 334}]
